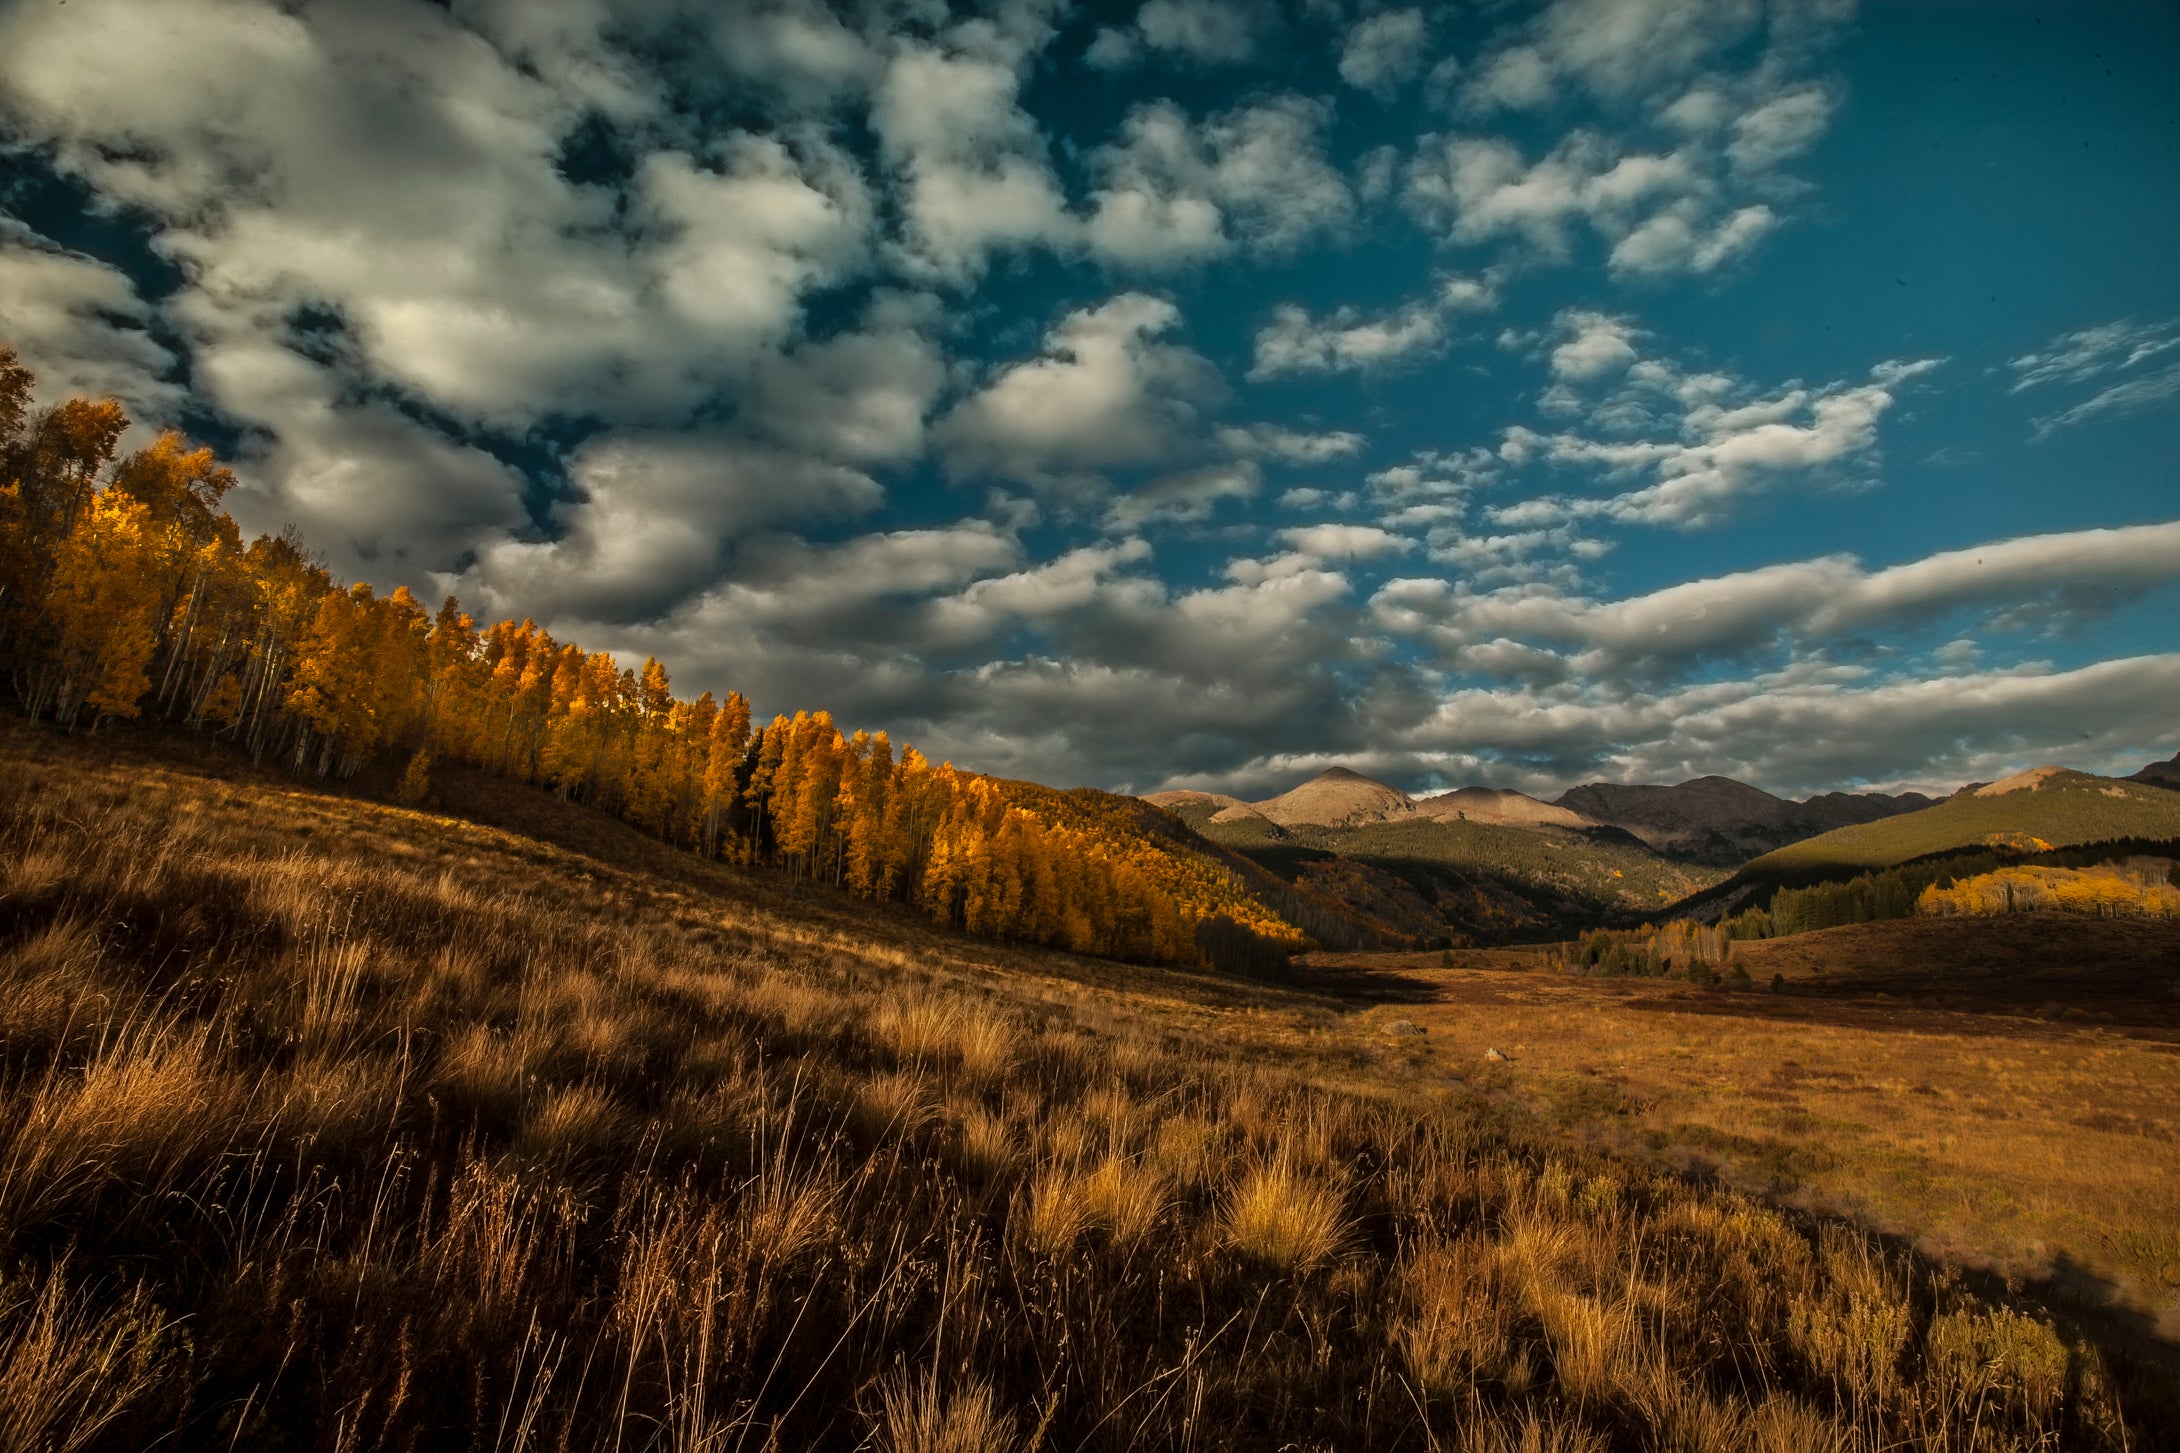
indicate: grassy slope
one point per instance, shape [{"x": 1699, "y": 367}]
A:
[
  {"x": 2070, "y": 808},
  {"x": 324, "y": 1123}
]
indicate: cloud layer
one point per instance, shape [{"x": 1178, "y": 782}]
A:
[{"x": 1197, "y": 392}]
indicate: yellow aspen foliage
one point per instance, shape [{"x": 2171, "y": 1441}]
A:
[
  {"x": 125, "y": 589},
  {"x": 105, "y": 598}
]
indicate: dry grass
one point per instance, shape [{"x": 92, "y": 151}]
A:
[
  {"x": 1938, "y": 1091},
  {"x": 324, "y": 1124}
]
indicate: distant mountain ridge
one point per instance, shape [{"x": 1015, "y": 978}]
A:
[
  {"x": 2041, "y": 808},
  {"x": 2160, "y": 774},
  {"x": 1715, "y": 821},
  {"x": 1722, "y": 822}
]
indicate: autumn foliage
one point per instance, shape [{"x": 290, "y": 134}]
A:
[
  {"x": 2138, "y": 886},
  {"x": 127, "y": 592}
]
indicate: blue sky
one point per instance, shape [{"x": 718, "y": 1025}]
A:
[{"x": 1186, "y": 393}]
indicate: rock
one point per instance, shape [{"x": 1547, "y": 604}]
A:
[
  {"x": 1493, "y": 1054},
  {"x": 1402, "y": 1026}
]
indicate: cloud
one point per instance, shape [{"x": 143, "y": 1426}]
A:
[
  {"x": 1383, "y": 51},
  {"x": 1796, "y": 733},
  {"x": 1185, "y": 498},
  {"x": 1797, "y": 607},
  {"x": 1172, "y": 191},
  {"x": 2088, "y": 353},
  {"x": 2150, "y": 391},
  {"x": 655, "y": 520},
  {"x": 1779, "y": 129},
  {"x": 1597, "y": 344},
  {"x": 1344, "y": 542},
  {"x": 1288, "y": 446},
  {"x": 1615, "y": 50},
  {"x": 1104, "y": 393},
  {"x": 1348, "y": 340},
  {"x": 82, "y": 329},
  {"x": 1727, "y": 441},
  {"x": 973, "y": 169},
  {"x": 1217, "y": 32}
]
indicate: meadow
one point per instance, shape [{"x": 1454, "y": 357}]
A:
[
  {"x": 1998, "y": 1093},
  {"x": 338, "y": 1125}
]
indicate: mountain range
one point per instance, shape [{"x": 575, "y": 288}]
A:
[
  {"x": 1713, "y": 821},
  {"x": 1483, "y": 864}
]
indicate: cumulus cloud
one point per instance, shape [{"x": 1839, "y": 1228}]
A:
[
  {"x": 1104, "y": 393},
  {"x": 1345, "y": 340},
  {"x": 973, "y": 167},
  {"x": 1288, "y": 446},
  {"x": 1213, "y": 31},
  {"x": 82, "y": 328},
  {"x": 1614, "y": 50},
  {"x": 1661, "y": 212},
  {"x": 1727, "y": 442},
  {"x": 1174, "y": 191},
  {"x": 1344, "y": 542},
  {"x": 1383, "y": 51},
  {"x": 1186, "y": 498},
  {"x": 1796, "y": 607},
  {"x": 654, "y": 520}
]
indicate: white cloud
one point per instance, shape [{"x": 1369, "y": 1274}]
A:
[
  {"x": 1344, "y": 542},
  {"x": 1104, "y": 393},
  {"x": 1797, "y": 607},
  {"x": 2089, "y": 353},
  {"x": 1779, "y": 129},
  {"x": 2150, "y": 391},
  {"x": 1188, "y": 497},
  {"x": 1597, "y": 344},
  {"x": 1288, "y": 446},
  {"x": 1343, "y": 341},
  {"x": 1383, "y": 51},
  {"x": 1615, "y": 50},
  {"x": 1112, "y": 49},
  {"x": 1347, "y": 340},
  {"x": 1213, "y": 31},
  {"x": 81, "y": 328},
  {"x": 1726, "y": 441},
  {"x": 972, "y": 164},
  {"x": 1172, "y": 191},
  {"x": 655, "y": 517}
]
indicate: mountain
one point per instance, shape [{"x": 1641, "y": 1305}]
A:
[
  {"x": 1336, "y": 797},
  {"x": 2160, "y": 774},
  {"x": 2045, "y": 807},
  {"x": 1504, "y": 808},
  {"x": 1721, "y": 822}
]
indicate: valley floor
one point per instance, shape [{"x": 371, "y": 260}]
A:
[{"x": 2002, "y": 1092}]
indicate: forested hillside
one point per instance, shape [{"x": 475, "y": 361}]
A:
[{"x": 127, "y": 592}]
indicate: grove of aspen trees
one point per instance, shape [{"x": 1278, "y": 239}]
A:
[{"x": 127, "y": 592}]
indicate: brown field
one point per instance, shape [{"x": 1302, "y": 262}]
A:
[
  {"x": 331, "y": 1125},
  {"x": 2004, "y": 1092}
]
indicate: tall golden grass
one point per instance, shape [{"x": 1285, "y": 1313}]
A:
[{"x": 390, "y": 1144}]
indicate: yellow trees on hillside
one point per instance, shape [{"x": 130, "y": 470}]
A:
[
  {"x": 125, "y": 591},
  {"x": 2137, "y": 886}
]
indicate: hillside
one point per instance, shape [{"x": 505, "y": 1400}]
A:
[
  {"x": 1336, "y": 797},
  {"x": 2049, "y": 806},
  {"x": 1503, "y": 808},
  {"x": 2160, "y": 774},
  {"x": 1723, "y": 823},
  {"x": 328, "y": 1123}
]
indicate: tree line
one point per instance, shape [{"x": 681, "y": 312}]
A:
[{"x": 128, "y": 592}]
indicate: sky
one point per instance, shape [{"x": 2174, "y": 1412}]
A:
[{"x": 1186, "y": 393}]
